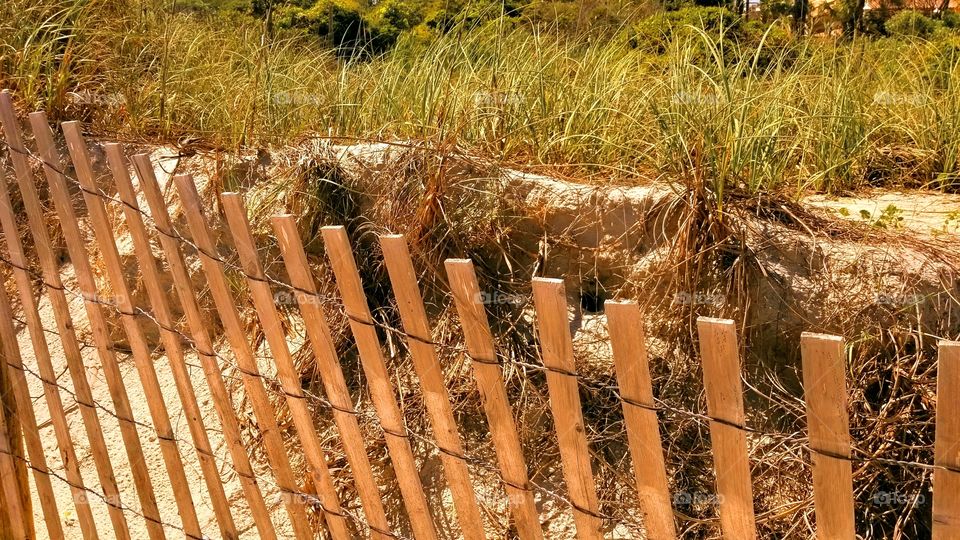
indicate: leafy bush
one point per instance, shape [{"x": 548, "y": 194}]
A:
[
  {"x": 773, "y": 10},
  {"x": 469, "y": 13},
  {"x": 193, "y": 6},
  {"x": 570, "y": 16},
  {"x": 911, "y": 24},
  {"x": 338, "y": 21},
  {"x": 950, "y": 19},
  {"x": 768, "y": 43},
  {"x": 391, "y": 18},
  {"x": 942, "y": 63},
  {"x": 655, "y": 33}
]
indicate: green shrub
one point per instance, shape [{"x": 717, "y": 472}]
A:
[
  {"x": 911, "y": 24},
  {"x": 772, "y": 10},
  {"x": 942, "y": 62},
  {"x": 469, "y": 13},
  {"x": 950, "y": 19},
  {"x": 338, "y": 21},
  {"x": 193, "y": 6},
  {"x": 655, "y": 33},
  {"x": 768, "y": 44},
  {"x": 391, "y": 18},
  {"x": 571, "y": 16}
]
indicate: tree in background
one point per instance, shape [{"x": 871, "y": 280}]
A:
[
  {"x": 849, "y": 13},
  {"x": 800, "y": 14}
]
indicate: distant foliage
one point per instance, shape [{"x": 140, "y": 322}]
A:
[
  {"x": 656, "y": 33},
  {"x": 339, "y": 21},
  {"x": 573, "y": 17},
  {"x": 911, "y": 24}
]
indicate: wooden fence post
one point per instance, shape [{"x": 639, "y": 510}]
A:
[
  {"x": 403, "y": 278},
  {"x": 263, "y": 301},
  {"x": 628, "y": 341},
  {"x": 381, "y": 390},
  {"x": 825, "y": 392},
  {"x": 721, "y": 378},
  {"x": 222, "y": 402},
  {"x": 250, "y": 373},
  {"x": 334, "y": 383},
  {"x": 946, "y": 478},
  {"x": 171, "y": 343},
  {"x": 550, "y": 301},
  {"x": 103, "y": 232},
  {"x": 17, "y": 383},
  {"x": 493, "y": 394}
]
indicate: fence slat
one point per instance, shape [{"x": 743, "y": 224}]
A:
[
  {"x": 721, "y": 378},
  {"x": 556, "y": 346},
  {"x": 413, "y": 316},
  {"x": 101, "y": 336},
  {"x": 263, "y": 302},
  {"x": 13, "y": 363},
  {"x": 250, "y": 373},
  {"x": 13, "y": 511},
  {"x": 171, "y": 342},
  {"x": 334, "y": 383},
  {"x": 946, "y": 479},
  {"x": 825, "y": 392},
  {"x": 19, "y": 481},
  {"x": 628, "y": 341},
  {"x": 381, "y": 390},
  {"x": 493, "y": 394},
  {"x": 222, "y": 401},
  {"x": 103, "y": 233},
  {"x": 64, "y": 322}
]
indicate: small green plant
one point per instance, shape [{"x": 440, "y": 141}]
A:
[
  {"x": 890, "y": 218},
  {"x": 952, "y": 223}
]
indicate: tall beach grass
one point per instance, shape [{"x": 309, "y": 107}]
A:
[{"x": 799, "y": 115}]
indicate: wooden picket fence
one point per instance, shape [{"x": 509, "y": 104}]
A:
[{"x": 823, "y": 366}]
